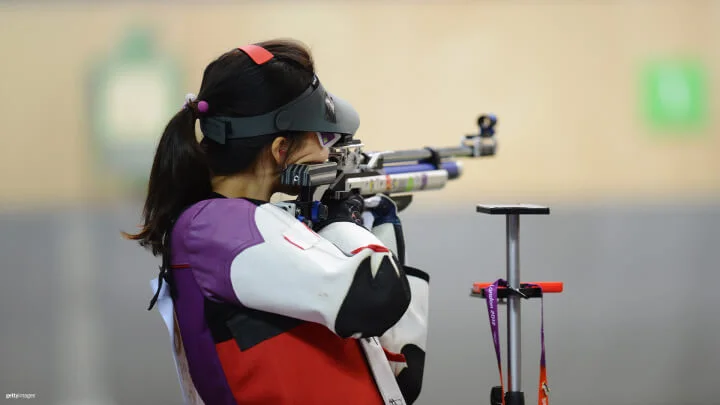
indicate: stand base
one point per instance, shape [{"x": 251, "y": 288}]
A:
[
  {"x": 511, "y": 398},
  {"x": 514, "y": 398},
  {"x": 496, "y": 395}
]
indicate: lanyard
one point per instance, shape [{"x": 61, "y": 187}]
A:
[{"x": 492, "y": 304}]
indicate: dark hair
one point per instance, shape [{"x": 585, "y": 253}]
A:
[{"x": 232, "y": 85}]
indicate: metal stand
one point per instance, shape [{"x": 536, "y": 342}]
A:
[{"x": 514, "y": 395}]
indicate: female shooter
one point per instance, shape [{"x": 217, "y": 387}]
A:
[{"x": 263, "y": 309}]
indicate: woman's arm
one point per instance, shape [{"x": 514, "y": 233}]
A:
[
  {"x": 261, "y": 257},
  {"x": 409, "y": 336}
]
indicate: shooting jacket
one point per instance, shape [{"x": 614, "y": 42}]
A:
[{"x": 262, "y": 310}]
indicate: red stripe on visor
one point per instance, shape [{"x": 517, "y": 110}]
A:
[{"x": 328, "y": 139}]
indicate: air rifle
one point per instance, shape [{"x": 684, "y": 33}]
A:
[{"x": 397, "y": 174}]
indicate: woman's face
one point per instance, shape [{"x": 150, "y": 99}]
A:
[{"x": 310, "y": 151}]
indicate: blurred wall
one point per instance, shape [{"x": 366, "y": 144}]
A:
[
  {"x": 563, "y": 78},
  {"x": 638, "y": 323}
]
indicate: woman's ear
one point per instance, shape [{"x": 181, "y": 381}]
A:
[{"x": 279, "y": 150}]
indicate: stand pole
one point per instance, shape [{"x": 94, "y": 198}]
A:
[
  {"x": 514, "y": 394},
  {"x": 514, "y": 292},
  {"x": 513, "y": 307}
]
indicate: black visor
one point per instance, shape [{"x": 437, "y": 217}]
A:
[{"x": 315, "y": 110}]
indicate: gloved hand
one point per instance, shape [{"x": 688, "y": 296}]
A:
[
  {"x": 383, "y": 209},
  {"x": 347, "y": 210}
]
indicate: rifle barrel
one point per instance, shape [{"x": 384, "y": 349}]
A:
[{"x": 423, "y": 154}]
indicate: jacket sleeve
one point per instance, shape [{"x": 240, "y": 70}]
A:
[
  {"x": 263, "y": 258},
  {"x": 408, "y": 336}
]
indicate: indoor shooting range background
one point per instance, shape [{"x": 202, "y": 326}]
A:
[{"x": 605, "y": 114}]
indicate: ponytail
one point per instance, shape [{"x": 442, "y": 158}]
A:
[
  {"x": 235, "y": 86},
  {"x": 180, "y": 177}
]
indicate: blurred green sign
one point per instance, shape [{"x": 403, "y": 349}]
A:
[
  {"x": 135, "y": 90},
  {"x": 674, "y": 94}
]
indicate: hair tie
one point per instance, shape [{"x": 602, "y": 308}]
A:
[
  {"x": 201, "y": 106},
  {"x": 189, "y": 99}
]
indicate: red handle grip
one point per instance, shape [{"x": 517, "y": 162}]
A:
[{"x": 547, "y": 286}]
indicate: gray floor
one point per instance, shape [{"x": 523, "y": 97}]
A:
[{"x": 638, "y": 323}]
